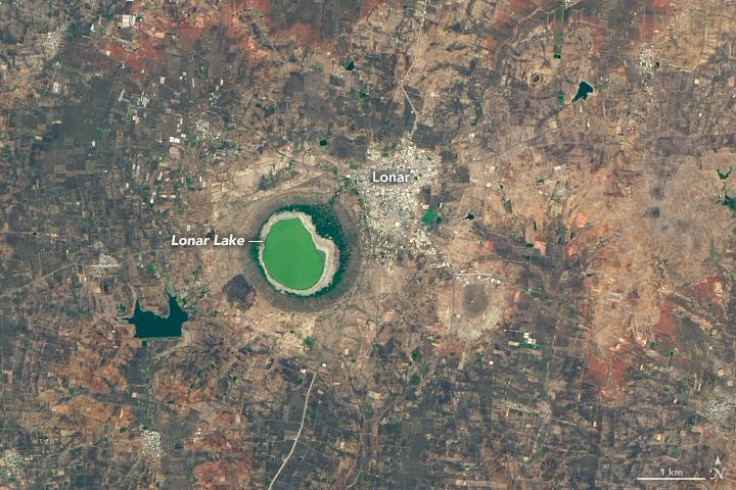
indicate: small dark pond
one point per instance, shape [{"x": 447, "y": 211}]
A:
[
  {"x": 584, "y": 90},
  {"x": 148, "y": 325}
]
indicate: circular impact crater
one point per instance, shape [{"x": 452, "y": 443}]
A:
[
  {"x": 294, "y": 257},
  {"x": 311, "y": 250}
]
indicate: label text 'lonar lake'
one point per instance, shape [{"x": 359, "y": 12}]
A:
[{"x": 217, "y": 241}]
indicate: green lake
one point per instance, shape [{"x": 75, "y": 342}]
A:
[
  {"x": 148, "y": 325},
  {"x": 290, "y": 255}
]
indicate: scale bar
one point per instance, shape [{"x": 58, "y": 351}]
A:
[
  {"x": 672, "y": 478},
  {"x": 255, "y": 241}
]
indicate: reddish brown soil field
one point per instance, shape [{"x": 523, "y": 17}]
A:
[
  {"x": 367, "y": 6},
  {"x": 706, "y": 293},
  {"x": 597, "y": 369},
  {"x": 667, "y": 323}
]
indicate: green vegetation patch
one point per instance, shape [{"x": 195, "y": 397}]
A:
[
  {"x": 526, "y": 345},
  {"x": 729, "y": 201},
  {"x": 724, "y": 175}
]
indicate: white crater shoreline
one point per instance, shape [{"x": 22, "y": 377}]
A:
[{"x": 324, "y": 245}]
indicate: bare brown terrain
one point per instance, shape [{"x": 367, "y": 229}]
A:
[{"x": 549, "y": 303}]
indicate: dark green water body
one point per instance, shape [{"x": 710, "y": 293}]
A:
[
  {"x": 429, "y": 216},
  {"x": 584, "y": 90},
  {"x": 148, "y": 325}
]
